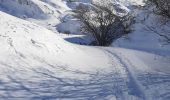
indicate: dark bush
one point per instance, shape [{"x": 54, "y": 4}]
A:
[{"x": 102, "y": 21}]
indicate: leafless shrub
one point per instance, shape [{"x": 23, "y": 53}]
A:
[{"x": 103, "y": 22}]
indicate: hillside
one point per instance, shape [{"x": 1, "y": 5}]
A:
[{"x": 37, "y": 63}]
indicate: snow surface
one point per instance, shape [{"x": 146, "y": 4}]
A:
[{"x": 40, "y": 64}]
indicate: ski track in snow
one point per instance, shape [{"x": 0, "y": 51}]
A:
[
  {"x": 133, "y": 84},
  {"x": 23, "y": 81},
  {"x": 147, "y": 85}
]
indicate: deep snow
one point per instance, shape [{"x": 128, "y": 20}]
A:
[{"x": 38, "y": 64}]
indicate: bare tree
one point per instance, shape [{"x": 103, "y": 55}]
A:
[{"x": 103, "y": 22}]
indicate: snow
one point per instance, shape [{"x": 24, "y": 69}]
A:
[
  {"x": 39, "y": 63},
  {"x": 150, "y": 42},
  {"x": 132, "y": 2}
]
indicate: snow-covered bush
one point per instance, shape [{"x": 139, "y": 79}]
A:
[{"x": 103, "y": 20}]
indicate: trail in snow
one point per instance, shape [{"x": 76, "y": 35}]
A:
[
  {"x": 133, "y": 84},
  {"x": 31, "y": 68},
  {"x": 147, "y": 84}
]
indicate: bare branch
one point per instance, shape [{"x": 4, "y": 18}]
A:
[{"x": 102, "y": 22}]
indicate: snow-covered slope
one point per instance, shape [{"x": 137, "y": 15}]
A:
[
  {"x": 142, "y": 37},
  {"x": 36, "y": 64},
  {"x": 33, "y": 8},
  {"x": 32, "y": 55},
  {"x": 29, "y": 51},
  {"x": 43, "y": 12},
  {"x": 20, "y": 38},
  {"x": 20, "y": 8}
]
